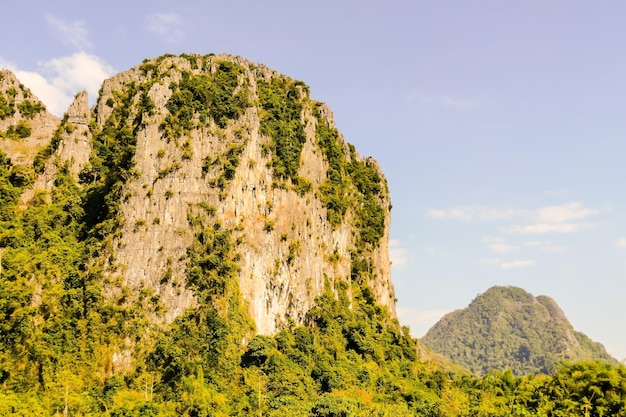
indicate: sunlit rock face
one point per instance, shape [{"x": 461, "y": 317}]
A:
[{"x": 242, "y": 148}]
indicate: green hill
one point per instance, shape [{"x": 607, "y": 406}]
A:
[{"x": 508, "y": 328}]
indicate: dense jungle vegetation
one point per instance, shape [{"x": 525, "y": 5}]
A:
[
  {"x": 59, "y": 333},
  {"x": 508, "y": 328}
]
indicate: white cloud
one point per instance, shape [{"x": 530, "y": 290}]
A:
[
  {"x": 503, "y": 264},
  {"x": 166, "y": 25},
  {"x": 547, "y": 219},
  {"x": 475, "y": 212},
  {"x": 502, "y": 247},
  {"x": 457, "y": 213},
  {"x": 6, "y": 64},
  {"x": 420, "y": 321},
  {"x": 517, "y": 264},
  {"x": 545, "y": 246},
  {"x": 397, "y": 254},
  {"x": 498, "y": 245},
  {"x": 564, "y": 213},
  {"x": 57, "y": 81},
  {"x": 70, "y": 33},
  {"x": 620, "y": 243},
  {"x": 558, "y": 219},
  {"x": 433, "y": 249},
  {"x": 540, "y": 228}
]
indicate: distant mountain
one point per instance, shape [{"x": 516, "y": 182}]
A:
[{"x": 508, "y": 328}]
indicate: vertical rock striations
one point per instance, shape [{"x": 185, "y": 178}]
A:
[{"x": 178, "y": 144}]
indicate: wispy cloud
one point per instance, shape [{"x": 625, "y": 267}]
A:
[
  {"x": 509, "y": 264},
  {"x": 546, "y": 246},
  {"x": 454, "y": 213},
  {"x": 620, "y": 243},
  {"x": 433, "y": 249},
  {"x": 518, "y": 263},
  {"x": 558, "y": 219},
  {"x": 398, "y": 255},
  {"x": 541, "y": 228},
  {"x": 475, "y": 213},
  {"x": 564, "y": 218},
  {"x": 565, "y": 213},
  {"x": 55, "y": 82},
  {"x": 71, "y": 33},
  {"x": 498, "y": 245},
  {"x": 168, "y": 26}
]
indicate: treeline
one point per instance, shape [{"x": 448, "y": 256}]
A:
[{"x": 347, "y": 362}]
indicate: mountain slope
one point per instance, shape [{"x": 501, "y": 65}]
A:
[{"x": 508, "y": 328}]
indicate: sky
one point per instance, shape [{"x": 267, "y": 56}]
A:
[{"x": 500, "y": 126}]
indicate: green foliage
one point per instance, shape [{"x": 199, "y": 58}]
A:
[
  {"x": 7, "y": 106},
  {"x": 43, "y": 257},
  {"x": 335, "y": 189},
  {"x": 42, "y": 156},
  {"x": 351, "y": 183},
  {"x": 214, "y": 96},
  {"x": 21, "y": 130},
  {"x": 268, "y": 226},
  {"x": 226, "y": 163},
  {"x": 112, "y": 162},
  {"x": 507, "y": 328},
  {"x": 281, "y": 101},
  {"x": 29, "y": 109}
]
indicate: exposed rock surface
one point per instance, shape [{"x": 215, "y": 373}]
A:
[
  {"x": 73, "y": 146},
  {"x": 288, "y": 247},
  {"x": 42, "y": 123}
]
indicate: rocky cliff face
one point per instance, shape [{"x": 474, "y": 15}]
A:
[
  {"x": 25, "y": 125},
  {"x": 218, "y": 141}
]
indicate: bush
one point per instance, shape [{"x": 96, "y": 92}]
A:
[
  {"x": 281, "y": 101},
  {"x": 29, "y": 109}
]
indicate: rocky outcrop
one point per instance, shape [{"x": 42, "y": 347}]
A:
[
  {"x": 70, "y": 145},
  {"x": 223, "y": 163},
  {"x": 19, "y": 107}
]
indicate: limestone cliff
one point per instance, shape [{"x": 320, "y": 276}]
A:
[{"x": 219, "y": 140}]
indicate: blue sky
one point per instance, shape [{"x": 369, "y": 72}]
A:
[{"x": 500, "y": 125}]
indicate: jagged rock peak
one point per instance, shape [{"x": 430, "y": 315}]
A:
[
  {"x": 79, "y": 112},
  {"x": 25, "y": 124}
]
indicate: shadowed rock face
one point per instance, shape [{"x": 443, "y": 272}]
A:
[
  {"x": 220, "y": 141},
  {"x": 508, "y": 328}
]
